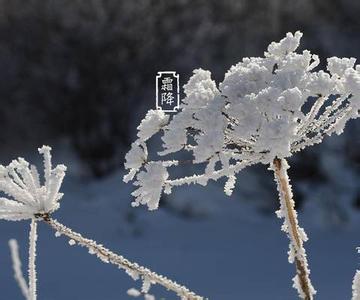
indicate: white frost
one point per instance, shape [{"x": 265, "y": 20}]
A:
[
  {"x": 133, "y": 292},
  {"x": 151, "y": 124},
  {"x": 26, "y": 196},
  {"x": 150, "y": 183},
  {"x": 356, "y": 286},
  {"x": 16, "y": 262},
  {"x": 256, "y": 114}
]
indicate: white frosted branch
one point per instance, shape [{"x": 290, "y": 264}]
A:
[
  {"x": 16, "y": 263},
  {"x": 310, "y": 117},
  {"x": 32, "y": 258},
  {"x": 233, "y": 169},
  {"x": 333, "y": 107},
  {"x": 295, "y": 233},
  {"x": 131, "y": 268},
  {"x": 356, "y": 286},
  {"x": 323, "y": 127},
  {"x": 324, "y": 124},
  {"x": 13, "y": 174},
  {"x": 45, "y": 151}
]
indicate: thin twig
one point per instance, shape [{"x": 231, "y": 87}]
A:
[
  {"x": 16, "y": 263},
  {"x": 310, "y": 117},
  {"x": 131, "y": 268},
  {"x": 32, "y": 258}
]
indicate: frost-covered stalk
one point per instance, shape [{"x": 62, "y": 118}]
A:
[
  {"x": 32, "y": 258},
  {"x": 29, "y": 199},
  {"x": 295, "y": 233},
  {"x": 356, "y": 286},
  {"x": 16, "y": 263},
  {"x": 28, "y": 291},
  {"x": 133, "y": 269},
  {"x": 266, "y": 108}
]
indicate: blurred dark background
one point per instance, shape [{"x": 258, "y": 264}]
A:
[{"x": 83, "y": 72}]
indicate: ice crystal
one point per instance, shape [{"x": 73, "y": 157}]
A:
[{"x": 20, "y": 181}]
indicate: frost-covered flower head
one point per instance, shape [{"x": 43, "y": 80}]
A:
[
  {"x": 266, "y": 107},
  {"x": 27, "y": 197}
]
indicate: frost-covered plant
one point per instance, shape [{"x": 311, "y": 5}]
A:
[
  {"x": 356, "y": 286},
  {"x": 266, "y": 109},
  {"x": 29, "y": 199},
  {"x": 26, "y": 196}
]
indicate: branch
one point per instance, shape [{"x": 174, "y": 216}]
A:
[
  {"x": 16, "y": 263},
  {"x": 133, "y": 269},
  {"x": 295, "y": 233},
  {"x": 322, "y": 127},
  {"x": 233, "y": 169},
  {"x": 32, "y": 257},
  {"x": 310, "y": 117},
  {"x": 356, "y": 286}
]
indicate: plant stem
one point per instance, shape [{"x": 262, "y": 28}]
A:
[
  {"x": 133, "y": 269},
  {"x": 295, "y": 233},
  {"x": 32, "y": 258},
  {"x": 356, "y": 286},
  {"x": 16, "y": 263}
]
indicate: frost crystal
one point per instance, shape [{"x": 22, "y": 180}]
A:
[
  {"x": 265, "y": 108},
  {"x": 133, "y": 292},
  {"x": 146, "y": 285},
  {"x": 152, "y": 123},
  {"x": 136, "y": 293},
  {"x": 27, "y": 197},
  {"x": 150, "y": 184},
  {"x": 134, "y": 159},
  {"x": 229, "y": 185},
  {"x": 72, "y": 242}
]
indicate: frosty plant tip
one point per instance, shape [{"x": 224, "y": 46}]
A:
[
  {"x": 266, "y": 109},
  {"x": 29, "y": 199}
]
